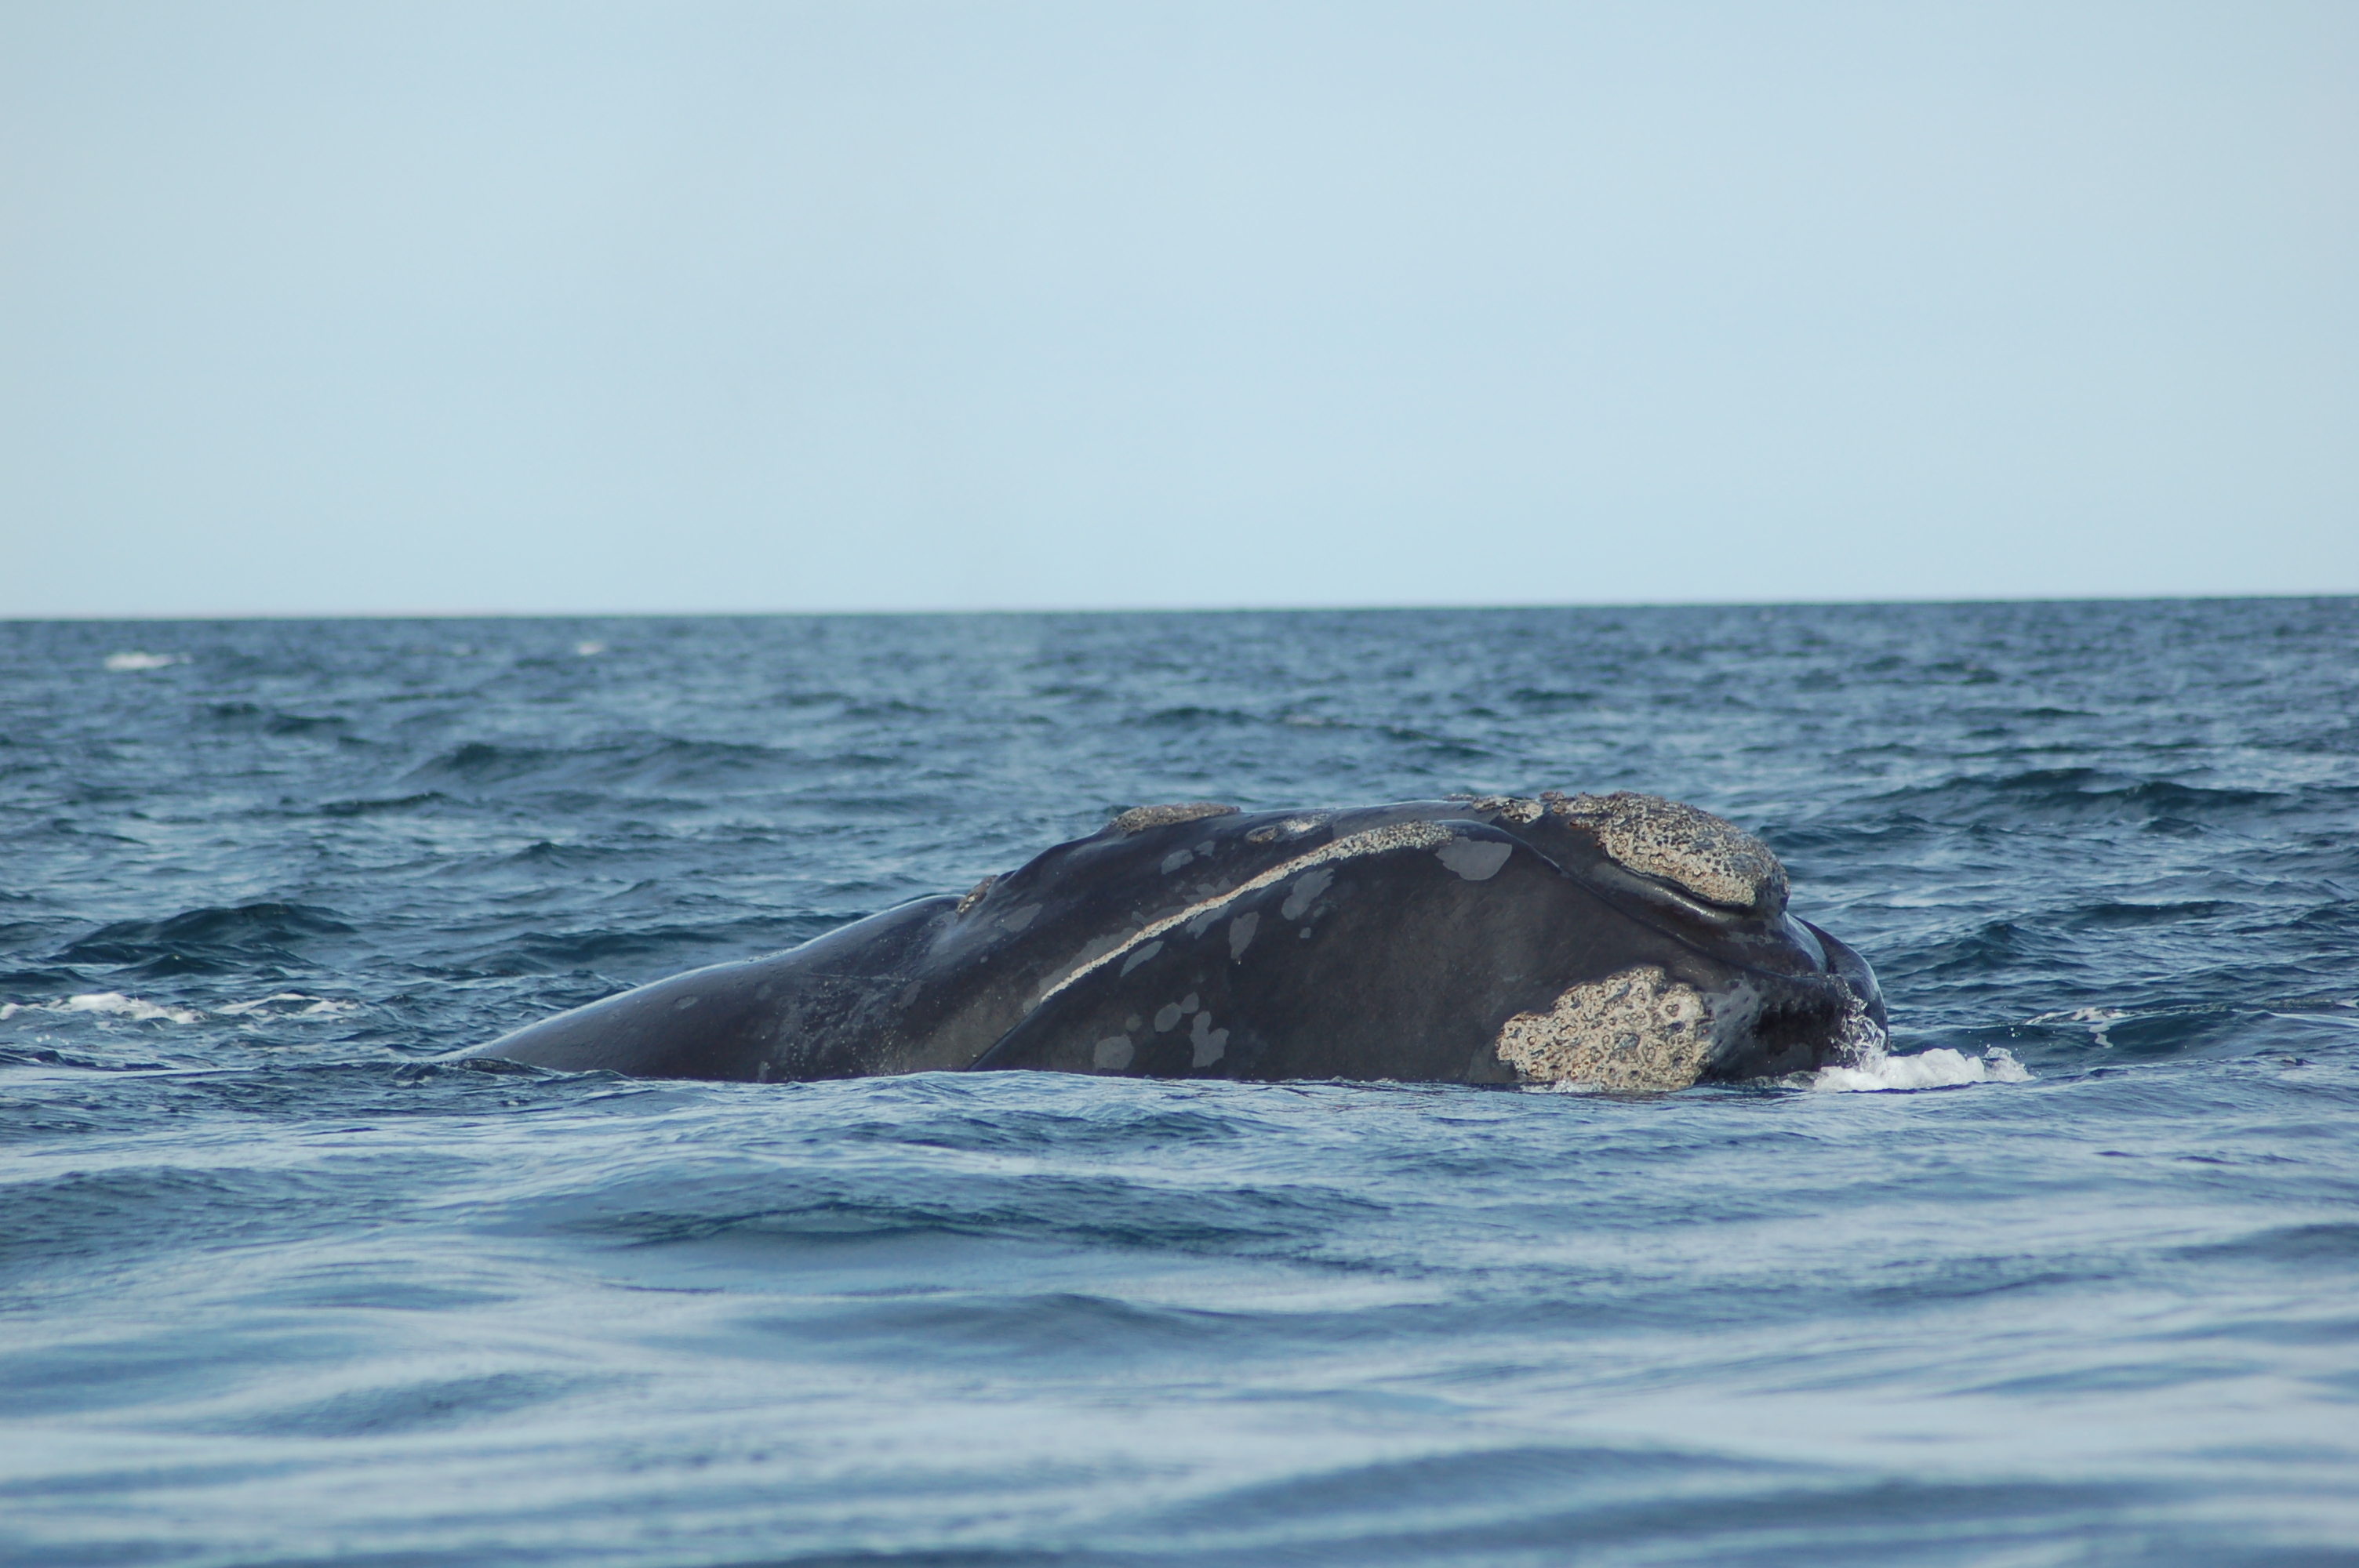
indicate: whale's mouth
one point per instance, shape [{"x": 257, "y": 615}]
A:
[
  {"x": 1847, "y": 965},
  {"x": 1714, "y": 863}
]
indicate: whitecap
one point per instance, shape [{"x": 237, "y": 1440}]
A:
[
  {"x": 589, "y": 650},
  {"x": 134, "y": 660},
  {"x": 2081, "y": 1015},
  {"x": 114, "y": 1004},
  {"x": 1878, "y": 1071},
  {"x": 288, "y": 1004},
  {"x": 2099, "y": 1018}
]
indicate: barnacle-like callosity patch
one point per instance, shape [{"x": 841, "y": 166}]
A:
[
  {"x": 1138, "y": 819},
  {"x": 1635, "y": 1031},
  {"x": 1708, "y": 856}
]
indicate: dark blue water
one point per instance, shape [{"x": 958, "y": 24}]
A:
[{"x": 276, "y": 1288}]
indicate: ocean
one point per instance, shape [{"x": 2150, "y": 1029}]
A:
[{"x": 2071, "y": 1277}]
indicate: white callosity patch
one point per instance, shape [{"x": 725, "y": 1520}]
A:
[
  {"x": 1709, "y": 856},
  {"x": 1375, "y": 841},
  {"x": 975, "y": 895},
  {"x": 1638, "y": 1031},
  {"x": 1139, "y": 819}
]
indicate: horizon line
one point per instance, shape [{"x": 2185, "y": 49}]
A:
[{"x": 73, "y": 617}]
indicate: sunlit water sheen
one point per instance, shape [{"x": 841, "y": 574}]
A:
[{"x": 2077, "y": 1285}]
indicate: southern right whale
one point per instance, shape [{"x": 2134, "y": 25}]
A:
[{"x": 1623, "y": 941}]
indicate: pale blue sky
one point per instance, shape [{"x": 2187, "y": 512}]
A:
[{"x": 385, "y": 308}]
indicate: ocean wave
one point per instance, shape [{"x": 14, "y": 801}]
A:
[
  {"x": 630, "y": 761},
  {"x": 214, "y": 939},
  {"x": 364, "y": 807},
  {"x": 132, "y": 660},
  {"x": 2047, "y": 794}
]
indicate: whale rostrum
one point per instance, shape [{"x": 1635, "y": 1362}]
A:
[{"x": 1620, "y": 941}]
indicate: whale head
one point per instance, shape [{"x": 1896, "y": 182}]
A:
[{"x": 1750, "y": 991}]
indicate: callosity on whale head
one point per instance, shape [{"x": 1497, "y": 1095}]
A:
[{"x": 1620, "y": 941}]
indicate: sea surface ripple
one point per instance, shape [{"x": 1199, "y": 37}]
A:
[{"x": 2076, "y": 1280}]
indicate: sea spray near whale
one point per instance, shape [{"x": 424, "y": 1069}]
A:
[{"x": 1623, "y": 941}]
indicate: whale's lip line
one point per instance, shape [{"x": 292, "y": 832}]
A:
[
  {"x": 1605, "y": 896},
  {"x": 1336, "y": 848},
  {"x": 1333, "y": 850}
]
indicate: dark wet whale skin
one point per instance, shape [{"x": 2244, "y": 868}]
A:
[{"x": 1392, "y": 942}]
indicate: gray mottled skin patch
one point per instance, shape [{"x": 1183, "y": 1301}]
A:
[
  {"x": 1113, "y": 1054},
  {"x": 1638, "y": 1032},
  {"x": 975, "y": 896},
  {"x": 1141, "y": 954},
  {"x": 1711, "y": 857},
  {"x": 1210, "y": 1043},
  {"x": 1241, "y": 933},
  {"x": 1138, "y": 819},
  {"x": 1416, "y": 835},
  {"x": 1305, "y": 893},
  {"x": 1477, "y": 859}
]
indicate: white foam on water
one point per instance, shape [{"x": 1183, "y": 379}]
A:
[
  {"x": 114, "y": 1004},
  {"x": 138, "y": 661},
  {"x": 107, "y": 1004},
  {"x": 288, "y": 1004},
  {"x": 2081, "y": 1015},
  {"x": 589, "y": 650},
  {"x": 2099, "y": 1018},
  {"x": 1877, "y": 1071}
]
